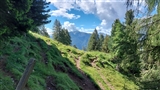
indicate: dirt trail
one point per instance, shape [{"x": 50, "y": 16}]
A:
[
  {"x": 43, "y": 53},
  {"x": 108, "y": 84},
  {"x": 78, "y": 62},
  {"x": 85, "y": 83},
  {"x": 101, "y": 86},
  {"x": 104, "y": 79},
  {"x": 50, "y": 83}
]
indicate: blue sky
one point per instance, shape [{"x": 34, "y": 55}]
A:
[{"x": 86, "y": 15}]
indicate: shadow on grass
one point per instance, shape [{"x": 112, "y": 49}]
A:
[{"x": 151, "y": 85}]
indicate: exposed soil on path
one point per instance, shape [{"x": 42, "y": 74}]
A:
[
  {"x": 85, "y": 83},
  {"x": 104, "y": 79},
  {"x": 78, "y": 62},
  {"x": 50, "y": 83}
]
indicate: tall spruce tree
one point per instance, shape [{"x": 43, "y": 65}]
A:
[
  {"x": 39, "y": 12},
  {"x": 43, "y": 31},
  {"x": 101, "y": 40},
  {"x": 150, "y": 51},
  {"x": 61, "y": 35},
  {"x": 19, "y": 16},
  {"x": 129, "y": 16},
  {"x": 57, "y": 31},
  {"x": 131, "y": 61},
  {"x": 149, "y": 45},
  {"x": 66, "y": 37},
  {"x": 117, "y": 37},
  {"x": 13, "y": 18},
  {"x": 105, "y": 44},
  {"x": 93, "y": 43}
]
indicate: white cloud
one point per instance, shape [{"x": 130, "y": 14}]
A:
[
  {"x": 87, "y": 7},
  {"x": 50, "y": 31},
  {"x": 63, "y": 6},
  {"x": 87, "y": 30},
  {"x": 105, "y": 10},
  {"x": 69, "y": 26},
  {"x": 103, "y": 23},
  {"x": 72, "y": 27},
  {"x": 63, "y": 13},
  {"x": 102, "y": 28}
]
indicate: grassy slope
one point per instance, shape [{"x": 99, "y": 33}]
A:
[
  {"x": 99, "y": 68},
  {"x": 54, "y": 67}
]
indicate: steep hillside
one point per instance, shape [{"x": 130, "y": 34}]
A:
[{"x": 58, "y": 67}]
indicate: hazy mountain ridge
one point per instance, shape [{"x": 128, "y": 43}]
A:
[{"x": 80, "y": 39}]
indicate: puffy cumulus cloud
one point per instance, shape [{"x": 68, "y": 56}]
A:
[
  {"x": 103, "y": 23},
  {"x": 87, "y": 6},
  {"x": 102, "y": 28},
  {"x": 104, "y": 9},
  {"x": 63, "y": 6},
  {"x": 87, "y": 30},
  {"x": 69, "y": 26},
  {"x": 72, "y": 27},
  {"x": 63, "y": 13},
  {"x": 107, "y": 10},
  {"x": 50, "y": 31}
]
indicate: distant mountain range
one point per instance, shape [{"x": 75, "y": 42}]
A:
[{"x": 80, "y": 39}]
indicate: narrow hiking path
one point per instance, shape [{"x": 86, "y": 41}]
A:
[
  {"x": 108, "y": 83},
  {"x": 43, "y": 53},
  {"x": 103, "y": 78},
  {"x": 84, "y": 83},
  {"x": 87, "y": 83},
  {"x": 93, "y": 63},
  {"x": 78, "y": 62},
  {"x": 50, "y": 83}
]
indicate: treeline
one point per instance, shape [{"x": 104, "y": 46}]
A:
[
  {"x": 17, "y": 17},
  {"x": 125, "y": 45},
  {"x": 98, "y": 42},
  {"x": 135, "y": 45},
  {"x": 122, "y": 43},
  {"x": 61, "y": 34}
]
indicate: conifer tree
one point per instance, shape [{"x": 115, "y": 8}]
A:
[
  {"x": 101, "y": 40},
  {"x": 61, "y": 35},
  {"x": 43, "y": 31},
  {"x": 75, "y": 46},
  {"x": 130, "y": 57},
  {"x": 39, "y": 13},
  {"x": 19, "y": 16},
  {"x": 57, "y": 29},
  {"x": 117, "y": 37},
  {"x": 105, "y": 44},
  {"x": 66, "y": 37},
  {"x": 150, "y": 51},
  {"x": 129, "y": 16},
  {"x": 13, "y": 18},
  {"x": 93, "y": 43}
]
